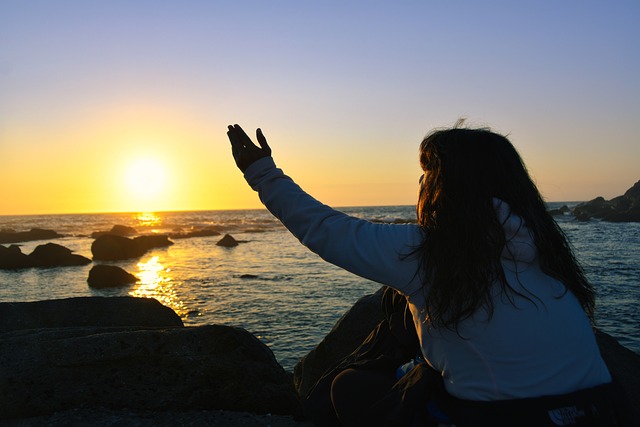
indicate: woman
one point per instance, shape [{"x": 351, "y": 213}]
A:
[{"x": 501, "y": 308}]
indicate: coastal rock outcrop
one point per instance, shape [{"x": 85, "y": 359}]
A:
[
  {"x": 563, "y": 210},
  {"x": 625, "y": 208},
  {"x": 109, "y": 276},
  {"x": 43, "y": 256},
  {"x": 11, "y": 236},
  {"x": 111, "y": 247},
  {"x": 86, "y": 311}
]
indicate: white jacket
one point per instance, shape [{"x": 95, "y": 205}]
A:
[{"x": 525, "y": 350}]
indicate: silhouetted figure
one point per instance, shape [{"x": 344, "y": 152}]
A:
[{"x": 501, "y": 309}]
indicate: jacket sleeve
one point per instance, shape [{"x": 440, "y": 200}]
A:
[{"x": 379, "y": 252}]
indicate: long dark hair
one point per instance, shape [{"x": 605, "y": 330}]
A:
[{"x": 464, "y": 170}]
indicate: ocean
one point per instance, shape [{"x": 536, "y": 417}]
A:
[{"x": 273, "y": 286}]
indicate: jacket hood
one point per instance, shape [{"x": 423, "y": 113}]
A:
[{"x": 520, "y": 244}]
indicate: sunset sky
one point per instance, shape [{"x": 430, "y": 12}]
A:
[{"x": 113, "y": 105}]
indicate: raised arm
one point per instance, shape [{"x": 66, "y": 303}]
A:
[{"x": 371, "y": 250}]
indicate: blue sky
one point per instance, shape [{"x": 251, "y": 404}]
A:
[{"x": 344, "y": 91}]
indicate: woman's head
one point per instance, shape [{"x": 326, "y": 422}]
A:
[
  {"x": 467, "y": 168},
  {"x": 464, "y": 171}
]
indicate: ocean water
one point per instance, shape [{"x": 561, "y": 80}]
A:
[{"x": 274, "y": 287}]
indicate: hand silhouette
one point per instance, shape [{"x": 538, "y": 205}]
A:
[{"x": 245, "y": 152}]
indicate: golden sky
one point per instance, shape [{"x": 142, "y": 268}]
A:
[{"x": 123, "y": 106}]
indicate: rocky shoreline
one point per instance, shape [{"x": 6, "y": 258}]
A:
[
  {"x": 130, "y": 361},
  {"x": 624, "y": 208}
]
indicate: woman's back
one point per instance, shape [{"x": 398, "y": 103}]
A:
[{"x": 532, "y": 347}]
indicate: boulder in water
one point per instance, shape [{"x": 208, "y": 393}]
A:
[
  {"x": 53, "y": 255},
  {"x": 202, "y": 232},
  {"x": 12, "y": 258},
  {"x": 227, "y": 241},
  {"x": 110, "y": 247},
  {"x": 152, "y": 241},
  {"x": 118, "y": 230},
  {"x": 109, "y": 276},
  {"x": 563, "y": 210},
  {"x": 11, "y": 236}
]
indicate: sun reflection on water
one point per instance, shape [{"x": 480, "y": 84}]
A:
[
  {"x": 156, "y": 282},
  {"x": 147, "y": 219}
]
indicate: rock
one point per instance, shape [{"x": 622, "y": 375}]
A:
[
  {"x": 47, "y": 255},
  {"x": 53, "y": 255},
  {"x": 118, "y": 230},
  {"x": 101, "y": 417},
  {"x": 109, "y": 276},
  {"x": 346, "y": 335},
  {"x": 227, "y": 241},
  {"x": 624, "y": 366},
  {"x": 12, "y": 258},
  {"x": 202, "y": 232},
  {"x": 152, "y": 241},
  {"x": 563, "y": 210},
  {"x": 110, "y": 247},
  {"x": 596, "y": 208},
  {"x": 44, "y": 371},
  {"x": 625, "y": 208},
  {"x": 86, "y": 311},
  {"x": 359, "y": 321},
  {"x": 10, "y": 236}
]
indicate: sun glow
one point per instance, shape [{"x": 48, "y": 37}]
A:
[
  {"x": 145, "y": 181},
  {"x": 145, "y": 177}
]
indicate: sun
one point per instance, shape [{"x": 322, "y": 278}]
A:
[{"x": 145, "y": 179}]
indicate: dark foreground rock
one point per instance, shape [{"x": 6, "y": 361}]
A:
[
  {"x": 142, "y": 376},
  {"x": 355, "y": 325},
  {"x": 86, "y": 311},
  {"x": 99, "y": 362},
  {"x": 101, "y": 417},
  {"x": 624, "y": 366},
  {"x": 44, "y": 371},
  {"x": 43, "y": 256},
  {"x": 10, "y": 236},
  {"x": 347, "y": 334},
  {"x": 625, "y": 208},
  {"x": 109, "y": 276},
  {"x": 111, "y": 247}
]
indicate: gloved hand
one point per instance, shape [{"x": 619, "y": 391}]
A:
[{"x": 245, "y": 152}]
